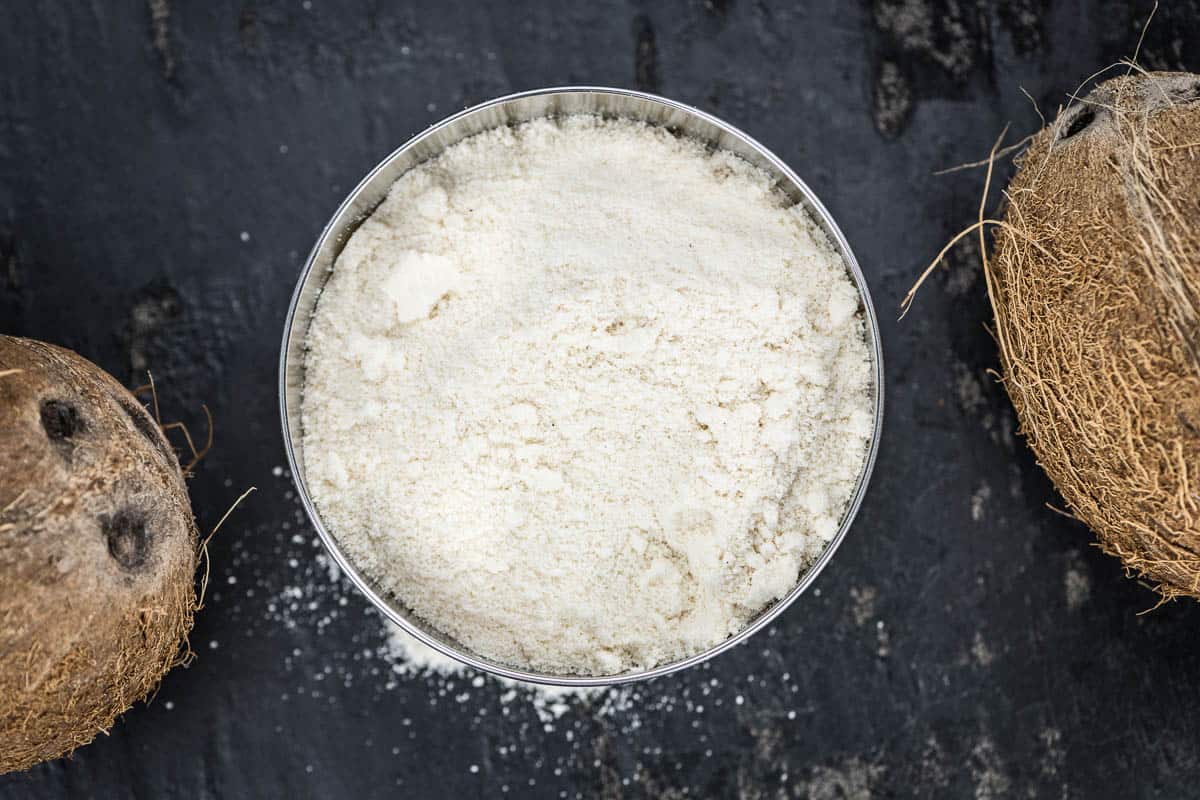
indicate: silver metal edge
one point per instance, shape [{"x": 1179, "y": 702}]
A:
[{"x": 823, "y": 218}]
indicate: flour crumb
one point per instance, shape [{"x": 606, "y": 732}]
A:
[
  {"x": 862, "y": 606},
  {"x": 1076, "y": 583},
  {"x": 979, "y": 501},
  {"x": 980, "y": 651}
]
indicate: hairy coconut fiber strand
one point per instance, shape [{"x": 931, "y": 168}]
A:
[
  {"x": 1095, "y": 282},
  {"x": 98, "y": 552}
]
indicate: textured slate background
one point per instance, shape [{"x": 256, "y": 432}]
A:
[{"x": 164, "y": 167}]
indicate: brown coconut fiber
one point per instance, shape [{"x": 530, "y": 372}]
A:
[
  {"x": 98, "y": 552},
  {"x": 1094, "y": 281}
]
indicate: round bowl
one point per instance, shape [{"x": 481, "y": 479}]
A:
[{"x": 510, "y": 110}]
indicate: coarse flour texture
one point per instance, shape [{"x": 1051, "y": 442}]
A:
[{"x": 586, "y": 396}]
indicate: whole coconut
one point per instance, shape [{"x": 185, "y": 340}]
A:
[
  {"x": 98, "y": 552},
  {"x": 1095, "y": 285}
]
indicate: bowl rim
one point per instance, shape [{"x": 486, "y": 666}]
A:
[{"x": 768, "y": 615}]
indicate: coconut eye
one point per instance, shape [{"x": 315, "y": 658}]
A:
[
  {"x": 128, "y": 539},
  {"x": 60, "y": 420},
  {"x": 1085, "y": 117}
]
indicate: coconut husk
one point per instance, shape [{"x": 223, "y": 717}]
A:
[
  {"x": 98, "y": 552},
  {"x": 1095, "y": 285}
]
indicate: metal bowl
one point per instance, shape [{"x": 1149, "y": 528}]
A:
[{"x": 509, "y": 110}]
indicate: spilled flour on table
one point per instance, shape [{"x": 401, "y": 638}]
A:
[{"x": 411, "y": 656}]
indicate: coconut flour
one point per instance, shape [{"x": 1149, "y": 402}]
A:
[{"x": 586, "y": 396}]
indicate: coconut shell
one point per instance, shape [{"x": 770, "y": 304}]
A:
[
  {"x": 1095, "y": 284},
  {"x": 98, "y": 552}
]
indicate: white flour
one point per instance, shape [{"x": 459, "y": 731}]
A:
[
  {"x": 410, "y": 655},
  {"x": 584, "y": 396}
]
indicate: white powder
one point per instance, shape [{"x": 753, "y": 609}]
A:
[
  {"x": 585, "y": 396},
  {"x": 411, "y": 655}
]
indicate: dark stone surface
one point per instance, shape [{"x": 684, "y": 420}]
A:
[{"x": 164, "y": 167}]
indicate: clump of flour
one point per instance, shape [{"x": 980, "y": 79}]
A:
[{"x": 585, "y": 396}]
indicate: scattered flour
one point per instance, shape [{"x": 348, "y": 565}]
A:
[
  {"x": 410, "y": 655},
  {"x": 585, "y": 396}
]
